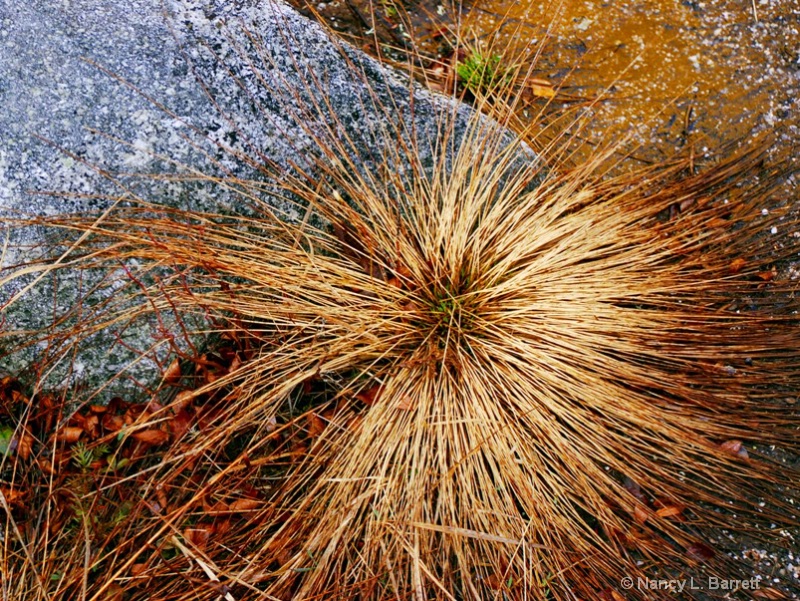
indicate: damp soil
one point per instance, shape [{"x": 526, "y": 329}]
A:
[{"x": 684, "y": 76}]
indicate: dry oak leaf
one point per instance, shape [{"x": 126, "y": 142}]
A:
[
  {"x": 151, "y": 436},
  {"x": 370, "y": 395},
  {"x": 197, "y": 536},
  {"x": 246, "y": 504},
  {"x": 25, "y": 443},
  {"x": 316, "y": 425},
  {"x": 173, "y": 373},
  {"x": 69, "y": 434}
]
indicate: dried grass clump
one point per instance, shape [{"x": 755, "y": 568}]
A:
[{"x": 510, "y": 381}]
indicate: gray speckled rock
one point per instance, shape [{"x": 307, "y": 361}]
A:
[{"x": 52, "y": 87}]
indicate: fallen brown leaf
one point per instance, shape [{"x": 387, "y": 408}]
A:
[
  {"x": 90, "y": 425},
  {"x": 197, "y": 536},
  {"x": 737, "y": 265},
  {"x": 700, "y": 552},
  {"x": 316, "y": 425},
  {"x": 245, "y": 504},
  {"x": 25, "y": 443},
  {"x": 371, "y": 395},
  {"x": 640, "y": 514},
  {"x": 12, "y": 495},
  {"x": 113, "y": 423},
  {"x": 69, "y": 434},
  {"x": 151, "y": 436},
  {"x": 182, "y": 400},
  {"x": 494, "y": 583},
  {"x": 181, "y": 423},
  {"x": 173, "y": 373}
]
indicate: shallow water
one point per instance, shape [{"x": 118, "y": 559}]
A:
[
  {"x": 674, "y": 72},
  {"x": 669, "y": 76}
]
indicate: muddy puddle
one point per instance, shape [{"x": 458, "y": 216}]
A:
[{"x": 671, "y": 73}]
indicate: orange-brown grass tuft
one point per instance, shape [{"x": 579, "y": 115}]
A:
[{"x": 512, "y": 382}]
